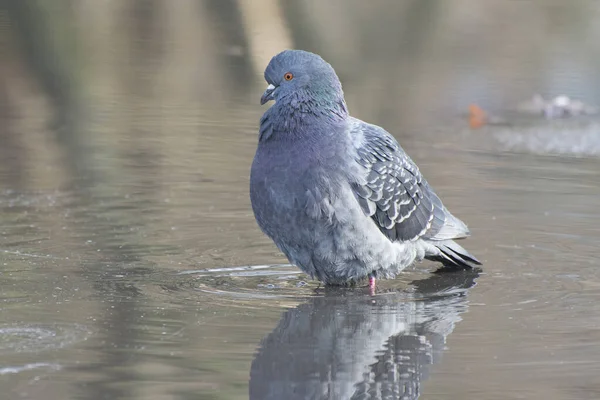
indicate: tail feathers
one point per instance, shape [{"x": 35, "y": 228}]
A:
[
  {"x": 453, "y": 228},
  {"x": 452, "y": 254}
]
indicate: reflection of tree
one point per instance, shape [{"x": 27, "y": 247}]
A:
[
  {"x": 234, "y": 58},
  {"x": 11, "y": 154},
  {"x": 351, "y": 346},
  {"x": 47, "y": 40}
]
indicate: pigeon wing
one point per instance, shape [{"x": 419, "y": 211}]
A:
[{"x": 395, "y": 194}]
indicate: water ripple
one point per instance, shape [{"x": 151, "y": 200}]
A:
[
  {"x": 37, "y": 337},
  {"x": 27, "y": 367}
]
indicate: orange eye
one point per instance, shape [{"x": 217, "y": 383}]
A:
[{"x": 288, "y": 76}]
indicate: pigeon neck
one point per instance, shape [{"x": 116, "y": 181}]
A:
[
  {"x": 306, "y": 108},
  {"x": 296, "y": 115},
  {"x": 295, "y": 120}
]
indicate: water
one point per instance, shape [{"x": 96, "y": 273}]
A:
[{"x": 131, "y": 265}]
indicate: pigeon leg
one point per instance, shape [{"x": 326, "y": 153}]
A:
[{"x": 372, "y": 284}]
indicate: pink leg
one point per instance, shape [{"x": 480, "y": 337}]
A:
[{"x": 372, "y": 285}]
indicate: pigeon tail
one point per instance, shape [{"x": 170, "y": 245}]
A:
[
  {"x": 453, "y": 228},
  {"x": 451, "y": 254}
]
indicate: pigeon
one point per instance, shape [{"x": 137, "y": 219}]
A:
[{"x": 337, "y": 195}]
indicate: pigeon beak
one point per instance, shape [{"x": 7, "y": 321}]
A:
[{"x": 268, "y": 94}]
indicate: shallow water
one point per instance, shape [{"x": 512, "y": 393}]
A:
[
  {"x": 132, "y": 267},
  {"x": 119, "y": 293}
]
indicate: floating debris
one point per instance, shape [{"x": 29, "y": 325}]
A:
[
  {"x": 559, "y": 107},
  {"x": 478, "y": 117}
]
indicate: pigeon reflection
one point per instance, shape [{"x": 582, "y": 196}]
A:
[{"x": 346, "y": 345}]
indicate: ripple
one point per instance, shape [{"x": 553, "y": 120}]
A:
[
  {"x": 246, "y": 270},
  {"x": 14, "y": 199},
  {"x": 35, "y": 338},
  {"x": 277, "y": 281},
  {"x": 27, "y": 367},
  {"x": 247, "y": 282}
]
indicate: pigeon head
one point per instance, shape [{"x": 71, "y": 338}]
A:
[{"x": 299, "y": 77}]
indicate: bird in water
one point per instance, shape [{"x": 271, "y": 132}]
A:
[{"x": 339, "y": 196}]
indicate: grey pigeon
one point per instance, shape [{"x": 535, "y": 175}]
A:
[{"x": 338, "y": 196}]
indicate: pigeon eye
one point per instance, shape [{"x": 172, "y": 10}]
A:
[{"x": 288, "y": 76}]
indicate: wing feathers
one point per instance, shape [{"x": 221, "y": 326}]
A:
[{"x": 394, "y": 192}]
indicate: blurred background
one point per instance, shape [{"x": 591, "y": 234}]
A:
[
  {"x": 83, "y": 79},
  {"x": 127, "y": 130}
]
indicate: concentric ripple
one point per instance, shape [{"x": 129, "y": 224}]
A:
[
  {"x": 276, "y": 281},
  {"x": 248, "y": 282}
]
